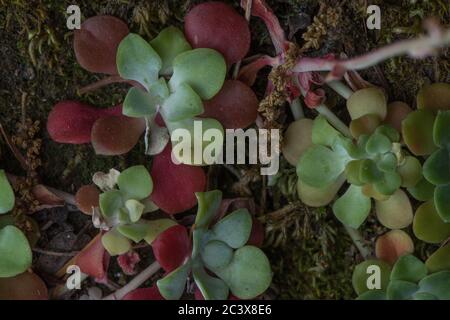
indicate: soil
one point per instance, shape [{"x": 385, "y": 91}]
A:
[{"x": 312, "y": 257}]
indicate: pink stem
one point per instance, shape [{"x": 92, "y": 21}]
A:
[
  {"x": 106, "y": 81},
  {"x": 248, "y": 73}
]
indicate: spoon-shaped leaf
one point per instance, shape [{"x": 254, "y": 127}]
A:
[
  {"x": 436, "y": 168},
  {"x": 389, "y": 183},
  {"x": 297, "y": 139},
  {"x": 364, "y": 270},
  {"x": 139, "y": 103},
  {"x": 137, "y": 60},
  {"x": 428, "y": 225},
  {"x": 135, "y": 183},
  {"x": 364, "y": 125},
  {"x": 401, "y": 290},
  {"x": 441, "y": 130},
  {"x": 96, "y": 42},
  {"x": 15, "y": 252},
  {"x": 352, "y": 208},
  {"x": 208, "y": 206},
  {"x": 110, "y": 203},
  {"x": 324, "y": 133},
  {"x": 217, "y": 254},
  {"x": 373, "y": 295},
  {"x": 409, "y": 268},
  {"x": 423, "y": 190},
  {"x": 316, "y": 197},
  {"x": 395, "y": 212},
  {"x": 434, "y": 97},
  {"x": 417, "y": 132},
  {"x": 182, "y": 104},
  {"x": 87, "y": 198},
  {"x": 136, "y": 231},
  {"x": 410, "y": 171},
  {"x": 211, "y": 288},
  {"x": 392, "y": 245},
  {"x": 7, "y": 198},
  {"x": 367, "y": 101},
  {"x": 93, "y": 260},
  {"x": 437, "y": 284},
  {"x": 25, "y": 286},
  {"x": 156, "y": 227},
  {"x": 397, "y": 111},
  {"x": 172, "y": 286},
  {"x": 115, "y": 243},
  {"x": 439, "y": 260},
  {"x": 234, "y": 229},
  {"x": 442, "y": 201},
  {"x": 203, "y": 69}
]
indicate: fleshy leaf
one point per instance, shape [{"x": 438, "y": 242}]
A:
[
  {"x": 401, "y": 290},
  {"x": 362, "y": 272},
  {"x": 437, "y": 284},
  {"x": 92, "y": 258},
  {"x": 410, "y": 171},
  {"x": 139, "y": 103},
  {"x": 110, "y": 203},
  {"x": 172, "y": 286},
  {"x": 315, "y": 197},
  {"x": 182, "y": 104},
  {"x": 135, "y": 209},
  {"x": 417, "y": 132},
  {"x": 87, "y": 198},
  {"x": 203, "y": 69},
  {"x": 434, "y": 97},
  {"x": 373, "y": 295},
  {"x": 364, "y": 125},
  {"x": 392, "y": 245},
  {"x": 323, "y": 133},
  {"x": 25, "y": 286},
  {"x": 397, "y": 111},
  {"x": 320, "y": 166},
  {"x": 156, "y": 227},
  {"x": 15, "y": 252},
  {"x": 424, "y": 296},
  {"x": 212, "y": 288},
  {"x": 436, "y": 168},
  {"x": 428, "y": 225},
  {"x": 423, "y": 190},
  {"x": 208, "y": 206},
  {"x": 395, "y": 212},
  {"x": 169, "y": 43},
  {"x": 353, "y": 207},
  {"x": 234, "y": 229},
  {"x": 115, "y": 243},
  {"x": 135, "y": 182},
  {"x": 137, "y": 60},
  {"x": 441, "y": 130},
  {"x": 248, "y": 274},
  {"x": 378, "y": 143},
  {"x": 297, "y": 139},
  {"x": 217, "y": 254},
  {"x": 439, "y": 260},
  {"x": 367, "y": 101},
  {"x": 442, "y": 201},
  {"x": 7, "y": 198},
  {"x": 409, "y": 268},
  {"x": 389, "y": 183},
  {"x": 135, "y": 232}
]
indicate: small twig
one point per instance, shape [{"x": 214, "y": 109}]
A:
[
  {"x": 14, "y": 150},
  {"x": 135, "y": 283},
  {"x": 55, "y": 253},
  {"x": 101, "y": 83}
]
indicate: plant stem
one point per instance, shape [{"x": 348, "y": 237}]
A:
[
  {"x": 67, "y": 197},
  {"x": 340, "y": 88},
  {"x": 358, "y": 240},
  {"x": 104, "y": 82},
  {"x": 297, "y": 109},
  {"x": 334, "y": 120},
  {"x": 135, "y": 283}
]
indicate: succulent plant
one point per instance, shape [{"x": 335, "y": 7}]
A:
[
  {"x": 408, "y": 279},
  {"x": 375, "y": 166},
  {"x": 15, "y": 251},
  {"x": 220, "y": 261},
  {"x": 124, "y": 200}
]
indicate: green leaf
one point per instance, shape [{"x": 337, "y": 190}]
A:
[
  {"x": 389, "y": 183},
  {"x": 410, "y": 171},
  {"x": 135, "y": 182},
  {"x": 409, "y": 268},
  {"x": 365, "y": 101},
  {"x": 248, "y": 274},
  {"x": 424, "y": 296},
  {"x": 135, "y": 209},
  {"x": 439, "y": 260},
  {"x": 208, "y": 205},
  {"x": 172, "y": 286},
  {"x": 441, "y": 130},
  {"x": 315, "y": 197},
  {"x": 156, "y": 227},
  {"x": 366, "y": 269},
  {"x": 436, "y": 168},
  {"x": 7, "y": 198},
  {"x": 319, "y": 166},
  {"x": 353, "y": 172},
  {"x": 234, "y": 229},
  {"x": 217, "y": 254},
  {"x": 373, "y": 295},
  {"x": 169, "y": 43},
  {"x": 110, "y": 203},
  {"x": 115, "y": 243},
  {"x": 15, "y": 252},
  {"x": 139, "y": 103},
  {"x": 423, "y": 190},
  {"x": 437, "y": 284},
  {"x": 428, "y": 225},
  {"x": 401, "y": 290},
  {"x": 182, "y": 104},
  {"x": 442, "y": 201},
  {"x": 368, "y": 172},
  {"x": 435, "y": 96},
  {"x": 352, "y": 208},
  {"x": 388, "y": 162},
  {"x": 323, "y": 133},
  {"x": 395, "y": 212},
  {"x": 135, "y": 231},
  {"x": 212, "y": 288},
  {"x": 203, "y": 69},
  {"x": 389, "y": 132},
  {"x": 417, "y": 132},
  {"x": 378, "y": 143},
  {"x": 136, "y": 60}
]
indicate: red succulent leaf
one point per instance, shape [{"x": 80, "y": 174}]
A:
[
  {"x": 218, "y": 26},
  {"x": 314, "y": 98},
  {"x": 87, "y": 198},
  {"x": 127, "y": 262},
  {"x": 235, "y": 106},
  {"x": 248, "y": 73},
  {"x": 72, "y": 121},
  {"x": 93, "y": 260},
  {"x": 261, "y": 9},
  {"x": 151, "y": 293},
  {"x": 96, "y": 42},
  {"x": 175, "y": 185},
  {"x": 172, "y": 247},
  {"x": 116, "y": 135}
]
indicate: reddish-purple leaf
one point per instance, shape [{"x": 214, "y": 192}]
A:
[
  {"x": 96, "y": 43},
  {"x": 151, "y": 293},
  {"x": 72, "y": 121},
  {"x": 175, "y": 185},
  {"x": 93, "y": 260},
  {"x": 218, "y": 26},
  {"x": 25, "y": 286},
  {"x": 127, "y": 262},
  {"x": 172, "y": 247},
  {"x": 235, "y": 106},
  {"x": 87, "y": 198},
  {"x": 116, "y": 135}
]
